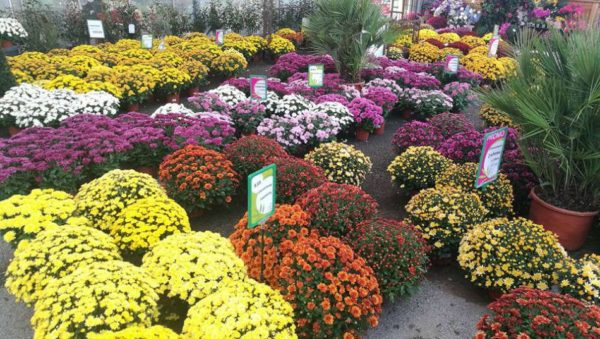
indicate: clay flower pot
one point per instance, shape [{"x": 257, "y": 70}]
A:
[
  {"x": 571, "y": 227},
  {"x": 13, "y": 130},
  {"x": 407, "y": 114},
  {"x": 6, "y": 43},
  {"x": 133, "y": 107},
  {"x": 362, "y": 134},
  {"x": 153, "y": 171},
  {"x": 494, "y": 294},
  {"x": 193, "y": 91},
  {"x": 172, "y": 98},
  {"x": 247, "y": 134},
  {"x": 380, "y": 130},
  {"x": 358, "y": 85}
]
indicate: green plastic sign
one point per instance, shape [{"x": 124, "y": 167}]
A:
[
  {"x": 261, "y": 195},
  {"x": 147, "y": 41},
  {"x": 491, "y": 157},
  {"x": 316, "y": 74}
]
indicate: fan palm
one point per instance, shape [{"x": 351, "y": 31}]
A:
[
  {"x": 555, "y": 99},
  {"x": 346, "y": 29}
]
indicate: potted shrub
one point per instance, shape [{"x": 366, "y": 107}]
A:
[
  {"x": 346, "y": 29},
  {"x": 553, "y": 100}
]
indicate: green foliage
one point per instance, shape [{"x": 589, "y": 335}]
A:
[
  {"x": 290, "y": 15},
  {"x": 346, "y": 29},
  {"x": 555, "y": 101},
  {"x": 6, "y": 78},
  {"x": 42, "y": 24},
  {"x": 199, "y": 17}
]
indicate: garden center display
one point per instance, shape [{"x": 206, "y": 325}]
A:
[{"x": 133, "y": 168}]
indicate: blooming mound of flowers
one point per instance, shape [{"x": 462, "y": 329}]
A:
[
  {"x": 444, "y": 215},
  {"x": 137, "y": 332},
  {"x": 103, "y": 199},
  {"x": 335, "y": 208},
  {"x": 580, "y": 278},
  {"x": 462, "y": 147},
  {"x": 110, "y": 295},
  {"x": 246, "y": 309},
  {"x": 144, "y": 223},
  {"x": 416, "y": 133},
  {"x": 198, "y": 178},
  {"x": 494, "y": 117},
  {"x": 11, "y": 29},
  {"x": 417, "y": 168},
  {"x": 366, "y": 113},
  {"x": 54, "y": 254},
  {"x": 339, "y": 294},
  {"x": 502, "y": 254},
  {"x": 296, "y": 176},
  {"x": 289, "y": 222},
  {"x": 497, "y": 197},
  {"x": 450, "y": 124},
  {"x": 24, "y": 216},
  {"x": 531, "y": 313},
  {"x": 396, "y": 251},
  {"x": 342, "y": 163},
  {"x": 251, "y": 153},
  {"x": 247, "y": 115},
  {"x": 192, "y": 266}
]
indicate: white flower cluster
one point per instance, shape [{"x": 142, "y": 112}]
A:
[
  {"x": 292, "y": 105},
  {"x": 387, "y": 83},
  {"x": 172, "y": 108},
  {"x": 458, "y": 13},
  {"x": 229, "y": 94},
  {"x": 28, "y": 105},
  {"x": 271, "y": 102},
  {"x": 10, "y": 28},
  {"x": 337, "y": 111}
]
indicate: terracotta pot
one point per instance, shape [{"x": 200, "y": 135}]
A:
[
  {"x": 153, "y": 171},
  {"x": 133, "y": 108},
  {"x": 12, "y": 130},
  {"x": 380, "y": 130},
  {"x": 571, "y": 227},
  {"x": 195, "y": 213},
  {"x": 494, "y": 294},
  {"x": 407, "y": 114},
  {"x": 172, "y": 98},
  {"x": 6, "y": 43},
  {"x": 362, "y": 134},
  {"x": 358, "y": 86},
  {"x": 193, "y": 91},
  {"x": 247, "y": 134}
]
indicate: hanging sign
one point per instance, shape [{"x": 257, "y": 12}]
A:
[
  {"x": 493, "y": 47},
  {"x": 316, "y": 75},
  {"x": 491, "y": 157},
  {"x": 258, "y": 87},
  {"x": 95, "y": 29},
  {"x": 261, "y": 195},
  {"x": 451, "y": 64},
  {"x": 220, "y": 36},
  {"x": 147, "y": 41}
]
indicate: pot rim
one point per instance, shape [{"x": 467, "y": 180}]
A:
[{"x": 549, "y": 206}]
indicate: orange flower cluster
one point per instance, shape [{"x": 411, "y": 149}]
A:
[
  {"x": 198, "y": 178},
  {"x": 333, "y": 291},
  {"x": 288, "y": 222}
]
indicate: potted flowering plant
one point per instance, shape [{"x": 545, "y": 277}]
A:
[
  {"x": 251, "y": 153},
  {"x": 382, "y": 97},
  {"x": 416, "y": 133},
  {"x": 247, "y": 115},
  {"x": 367, "y": 116},
  {"x": 11, "y": 31},
  {"x": 335, "y": 157},
  {"x": 523, "y": 254},
  {"x": 559, "y": 125},
  {"x": 417, "y": 168},
  {"x": 171, "y": 82}
]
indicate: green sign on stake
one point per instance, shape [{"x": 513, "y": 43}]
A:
[
  {"x": 261, "y": 195},
  {"x": 316, "y": 75}
]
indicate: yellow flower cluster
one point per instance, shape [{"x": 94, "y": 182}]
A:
[
  {"x": 472, "y": 41},
  {"x": 146, "y": 222},
  {"x": 489, "y": 68},
  {"x": 229, "y": 63},
  {"x": 425, "y": 52},
  {"x": 448, "y": 37},
  {"x": 496, "y": 197},
  {"x": 510, "y": 66},
  {"x": 417, "y": 167},
  {"x": 135, "y": 84},
  {"x": 197, "y": 71},
  {"x": 279, "y": 46},
  {"x": 192, "y": 266},
  {"x": 341, "y": 162},
  {"x": 80, "y": 85},
  {"x": 24, "y": 216},
  {"x": 425, "y": 34},
  {"x": 395, "y": 53},
  {"x": 172, "y": 80},
  {"x": 166, "y": 59},
  {"x": 244, "y": 310},
  {"x": 494, "y": 117},
  {"x": 580, "y": 278},
  {"x": 444, "y": 215},
  {"x": 54, "y": 254},
  {"x": 137, "y": 332},
  {"x": 110, "y": 295},
  {"x": 403, "y": 40},
  {"x": 502, "y": 254},
  {"x": 450, "y": 50},
  {"x": 241, "y": 44},
  {"x": 102, "y": 200}
]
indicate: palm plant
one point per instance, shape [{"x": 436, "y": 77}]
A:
[
  {"x": 555, "y": 99},
  {"x": 346, "y": 29}
]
